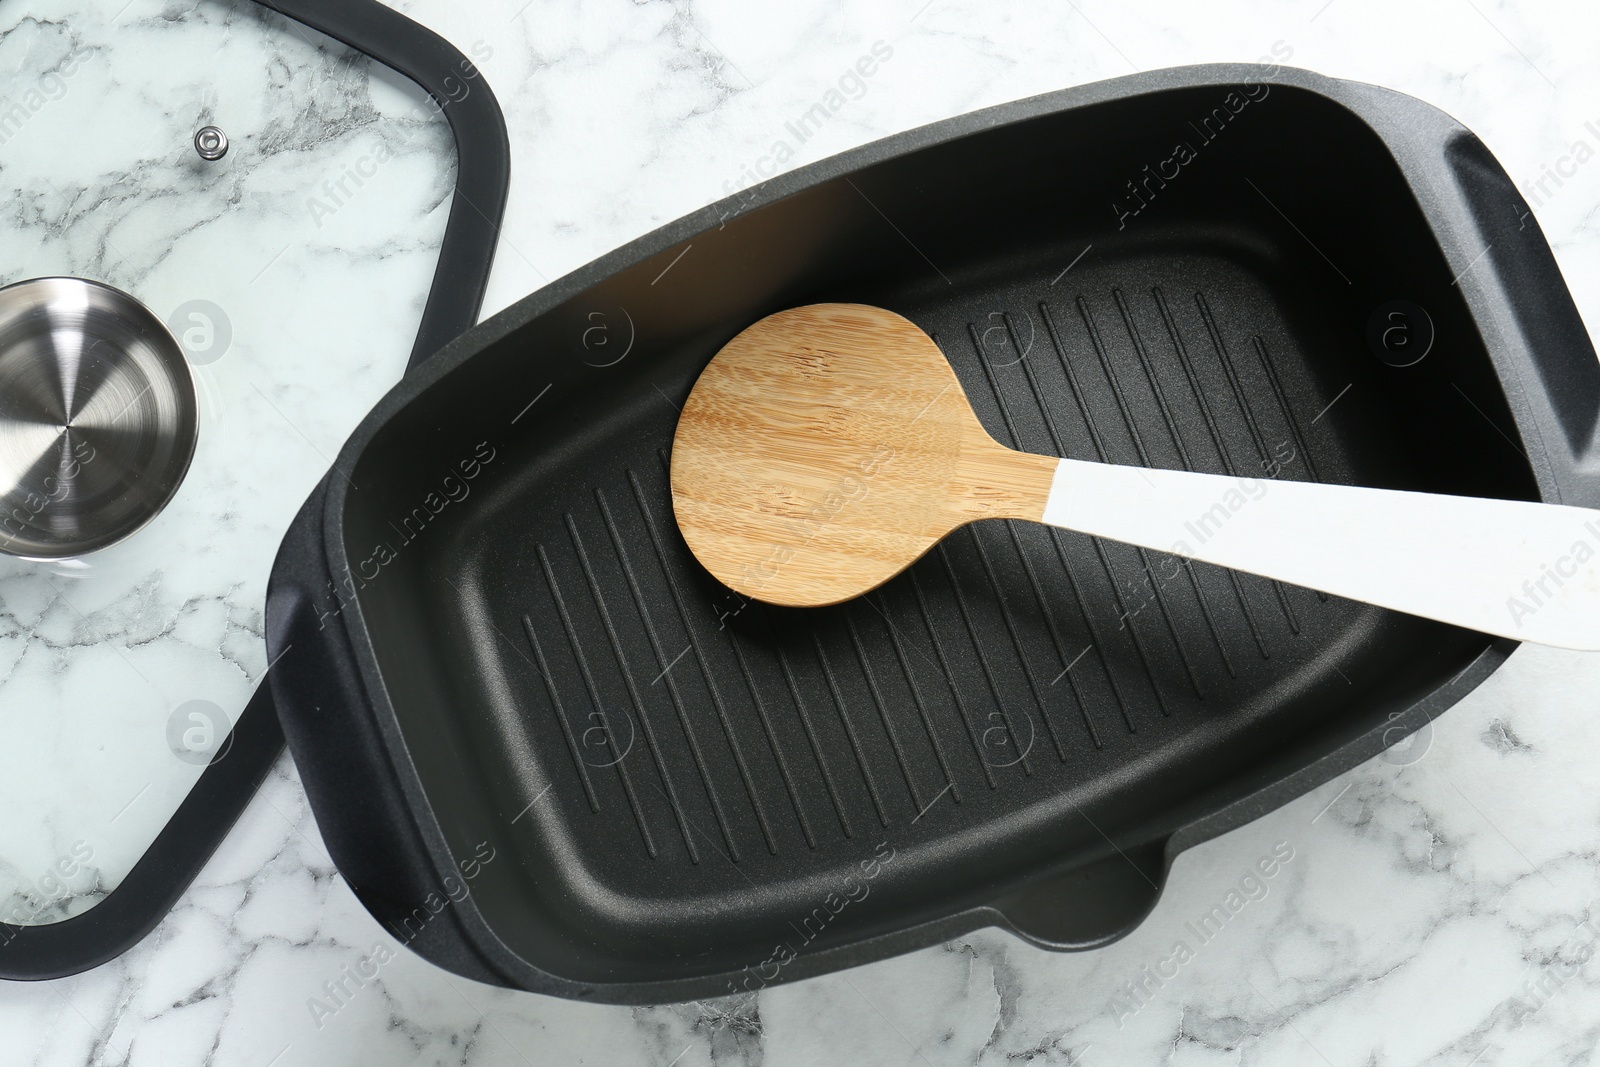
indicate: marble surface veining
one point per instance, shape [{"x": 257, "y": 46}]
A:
[{"x": 1432, "y": 907}]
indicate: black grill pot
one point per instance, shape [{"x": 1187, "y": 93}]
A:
[{"x": 550, "y": 752}]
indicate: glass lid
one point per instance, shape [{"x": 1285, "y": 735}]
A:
[{"x": 277, "y": 200}]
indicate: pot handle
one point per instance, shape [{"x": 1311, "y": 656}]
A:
[
  {"x": 352, "y": 786},
  {"x": 1549, "y": 330},
  {"x": 1090, "y": 905}
]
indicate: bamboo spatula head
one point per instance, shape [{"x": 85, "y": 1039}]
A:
[{"x": 825, "y": 448}]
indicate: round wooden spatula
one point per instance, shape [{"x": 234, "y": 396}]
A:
[{"x": 826, "y": 448}]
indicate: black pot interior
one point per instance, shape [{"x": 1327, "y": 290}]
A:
[{"x": 679, "y": 781}]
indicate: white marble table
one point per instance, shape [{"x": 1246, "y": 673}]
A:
[{"x": 1437, "y": 908}]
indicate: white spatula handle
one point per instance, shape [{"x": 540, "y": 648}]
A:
[{"x": 1521, "y": 570}]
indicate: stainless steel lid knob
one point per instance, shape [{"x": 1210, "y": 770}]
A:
[
  {"x": 210, "y": 142},
  {"x": 98, "y": 417}
]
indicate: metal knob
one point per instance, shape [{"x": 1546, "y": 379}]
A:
[
  {"x": 210, "y": 142},
  {"x": 98, "y": 417}
]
